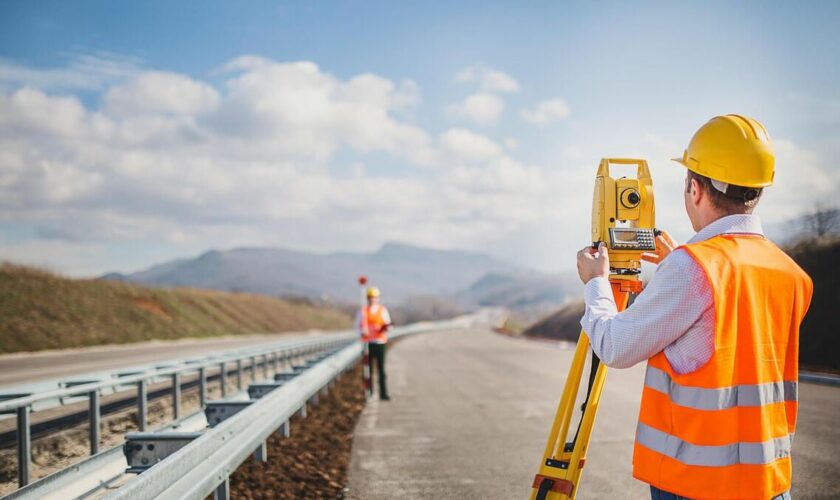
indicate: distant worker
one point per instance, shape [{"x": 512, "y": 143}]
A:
[
  {"x": 719, "y": 326},
  {"x": 373, "y": 323}
]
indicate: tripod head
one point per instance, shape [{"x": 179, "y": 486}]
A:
[{"x": 623, "y": 215}]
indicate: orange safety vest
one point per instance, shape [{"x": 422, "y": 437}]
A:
[
  {"x": 374, "y": 317},
  {"x": 725, "y": 430}
]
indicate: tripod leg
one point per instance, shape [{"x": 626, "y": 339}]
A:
[
  {"x": 560, "y": 470},
  {"x": 563, "y": 417},
  {"x": 550, "y": 479},
  {"x": 587, "y": 423}
]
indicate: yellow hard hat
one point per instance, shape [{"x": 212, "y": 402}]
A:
[
  {"x": 733, "y": 149},
  {"x": 372, "y": 292}
]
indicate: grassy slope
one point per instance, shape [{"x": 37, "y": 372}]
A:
[
  {"x": 819, "y": 340},
  {"x": 43, "y": 311}
]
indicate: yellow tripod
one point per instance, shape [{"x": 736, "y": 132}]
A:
[
  {"x": 562, "y": 462},
  {"x": 623, "y": 218}
]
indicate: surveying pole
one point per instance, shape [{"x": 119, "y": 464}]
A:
[
  {"x": 623, "y": 219},
  {"x": 365, "y": 334}
]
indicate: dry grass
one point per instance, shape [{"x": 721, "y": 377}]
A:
[{"x": 40, "y": 311}]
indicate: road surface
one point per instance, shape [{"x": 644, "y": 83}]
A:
[
  {"x": 471, "y": 410},
  {"x": 50, "y": 365}
]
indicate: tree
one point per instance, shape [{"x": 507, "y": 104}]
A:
[{"x": 823, "y": 221}]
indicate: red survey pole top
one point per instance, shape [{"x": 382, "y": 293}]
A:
[{"x": 362, "y": 280}]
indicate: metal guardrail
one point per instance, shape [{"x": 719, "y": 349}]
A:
[
  {"x": 290, "y": 397},
  {"x": 819, "y": 378},
  {"x": 285, "y": 352},
  {"x": 204, "y": 466}
]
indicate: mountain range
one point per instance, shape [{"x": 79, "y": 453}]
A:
[{"x": 402, "y": 272}]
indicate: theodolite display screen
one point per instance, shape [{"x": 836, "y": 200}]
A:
[{"x": 631, "y": 239}]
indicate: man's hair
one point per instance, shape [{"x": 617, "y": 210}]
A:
[{"x": 732, "y": 199}]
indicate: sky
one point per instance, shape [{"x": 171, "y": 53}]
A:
[{"x": 132, "y": 133}]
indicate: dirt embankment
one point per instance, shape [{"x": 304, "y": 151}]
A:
[
  {"x": 563, "y": 324},
  {"x": 44, "y": 311},
  {"x": 313, "y": 462}
]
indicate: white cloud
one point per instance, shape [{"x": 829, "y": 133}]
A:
[
  {"x": 511, "y": 143},
  {"x": 488, "y": 79},
  {"x": 157, "y": 92},
  {"x": 173, "y": 160},
  {"x": 481, "y": 108},
  {"x": 548, "y": 111},
  {"x": 83, "y": 72},
  {"x": 800, "y": 183},
  {"x": 464, "y": 145},
  {"x": 295, "y": 108}
]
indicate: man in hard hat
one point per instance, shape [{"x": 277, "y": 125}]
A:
[
  {"x": 719, "y": 327},
  {"x": 373, "y": 323}
]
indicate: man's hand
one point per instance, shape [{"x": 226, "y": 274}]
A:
[
  {"x": 664, "y": 246},
  {"x": 592, "y": 263}
]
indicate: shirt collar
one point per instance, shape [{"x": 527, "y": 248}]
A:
[{"x": 739, "y": 223}]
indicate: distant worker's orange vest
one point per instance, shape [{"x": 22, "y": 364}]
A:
[
  {"x": 725, "y": 430},
  {"x": 372, "y": 316}
]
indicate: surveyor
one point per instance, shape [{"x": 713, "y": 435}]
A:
[
  {"x": 719, "y": 327},
  {"x": 373, "y": 324}
]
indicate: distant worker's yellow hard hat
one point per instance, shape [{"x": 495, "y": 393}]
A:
[
  {"x": 372, "y": 292},
  {"x": 733, "y": 149}
]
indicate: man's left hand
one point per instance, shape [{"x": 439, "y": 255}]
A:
[{"x": 592, "y": 263}]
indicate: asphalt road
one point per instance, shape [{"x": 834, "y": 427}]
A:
[
  {"x": 471, "y": 410},
  {"x": 49, "y": 365}
]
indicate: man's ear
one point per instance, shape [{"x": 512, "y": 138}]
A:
[{"x": 695, "y": 191}]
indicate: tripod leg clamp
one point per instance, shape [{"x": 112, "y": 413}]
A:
[{"x": 546, "y": 484}]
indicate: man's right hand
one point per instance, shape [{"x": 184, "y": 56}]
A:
[{"x": 664, "y": 246}]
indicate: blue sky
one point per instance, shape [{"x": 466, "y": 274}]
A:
[{"x": 138, "y": 132}]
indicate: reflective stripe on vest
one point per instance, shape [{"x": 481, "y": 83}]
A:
[
  {"x": 713, "y": 456},
  {"x": 702, "y": 398},
  {"x": 725, "y": 429}
]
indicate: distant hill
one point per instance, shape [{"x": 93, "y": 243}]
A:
[
  {"x": 521, "y": 290},
  {"x": 44, "y": 311},
  {"x": 402, "y": 271}
]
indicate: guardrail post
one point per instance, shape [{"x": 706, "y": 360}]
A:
[
  {"x": 239, "y": 374},
  {"x": 223, "y": 377},
  {"x": 261, "y": 453},
  {"x": 176, "y": 395},
  {"x": 202, "y": 387},
  {"x": 274, "y": 362},
  {"x": 141, "y": 405},
  {"x": 284, "y": 430},
  {"x": 24, "y": 442},
  {"x": 253, "y": 368},
  {"x": 95, "y": 421},
  {"x": 265, "y": 365},
  {"x": 223, "y": 490}
]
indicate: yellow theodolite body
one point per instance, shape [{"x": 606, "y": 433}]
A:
[
  {"x": 623, "y": 218},
  {"x": 623, "y": 214}
]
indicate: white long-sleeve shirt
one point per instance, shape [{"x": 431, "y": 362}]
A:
[{"x": 674, "y": 313}]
